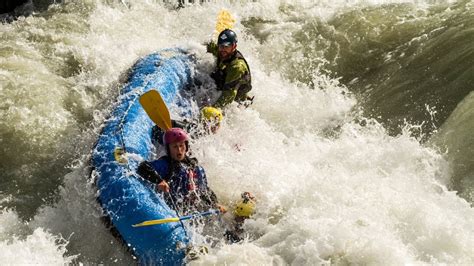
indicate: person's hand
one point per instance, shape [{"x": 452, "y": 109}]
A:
[
  {"x": 163, "y": 186},
  {"x": 221, "y": 208}
]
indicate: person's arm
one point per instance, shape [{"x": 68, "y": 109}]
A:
[
  {"x": 234, "y": 79},
  {"x": 212, "y": 199},
  {"x": 185, "y": 124},
  {"x": 148, "y": 172},
  {"x": 212, "y": 48},
  {"x": 226, "y": 98}
]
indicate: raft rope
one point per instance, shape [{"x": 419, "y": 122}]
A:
[
  {"x": 177, "y": 214},
  {"x": 121, "y": 131}
]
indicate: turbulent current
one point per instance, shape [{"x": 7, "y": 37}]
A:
[{"x": 358, "y": 146}]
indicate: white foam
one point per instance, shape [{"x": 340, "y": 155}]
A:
[{"x": 331, "y": 186}]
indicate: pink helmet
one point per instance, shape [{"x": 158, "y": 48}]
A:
[{"x": 173, "y": 135}]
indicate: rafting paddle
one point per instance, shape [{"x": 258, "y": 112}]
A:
[
  {"x": 224, "y": 21},
  {"x": 156, "y": 109},
  {"x": 176, "y": 219}
]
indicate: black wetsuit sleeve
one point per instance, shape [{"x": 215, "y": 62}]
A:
[
  {"x": 178, "y": 123},
  {"x": 146, "y": 170},
  {"x": 188, "y": 126},
  {"x": 212, "y": 197}
]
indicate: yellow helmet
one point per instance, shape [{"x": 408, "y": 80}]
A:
[
  {"x": 210, "y": 113},
  {"x": 246, "y": 206}
]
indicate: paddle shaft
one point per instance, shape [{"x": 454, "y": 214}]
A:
[
  {"x": 177, "y": 219},
  {"x": 196, "y": 215}
]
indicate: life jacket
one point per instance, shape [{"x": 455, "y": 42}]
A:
[
  {"x": 219, "y": 75},
  {"x": 182, "y": 177},
  {"x": 187, "y": 181}
]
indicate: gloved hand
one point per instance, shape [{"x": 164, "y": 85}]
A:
[
  {"x": 247, "y": 196},
  {"x": 221, "y": 208}
]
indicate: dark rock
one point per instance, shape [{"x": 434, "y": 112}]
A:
[{"x": 7, "y": 6}]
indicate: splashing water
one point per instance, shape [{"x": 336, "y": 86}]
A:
[{"x": 332, "y": 186}]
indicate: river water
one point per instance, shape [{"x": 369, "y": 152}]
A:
[{"x": 358, "y": 145}]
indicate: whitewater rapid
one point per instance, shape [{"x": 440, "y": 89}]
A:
[{"x": 333, "y": 186}]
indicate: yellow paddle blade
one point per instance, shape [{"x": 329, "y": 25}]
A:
[
  {"x": 224, "y": 21},
  {"x": 159, "y": 221},
  {"x": 156, "y": 109}
]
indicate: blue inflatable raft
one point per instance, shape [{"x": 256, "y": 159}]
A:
[{"x": 126, "y": 140}]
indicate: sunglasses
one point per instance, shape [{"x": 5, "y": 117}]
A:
[{"x": 225, "y": 45}]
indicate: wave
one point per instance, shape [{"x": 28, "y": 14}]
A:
[
  {"x": 456, "y": 139},
  {"x": 403, "y": 60},
  {"x": 326, "y": 176},
  {"x": 406, "y": 63}
]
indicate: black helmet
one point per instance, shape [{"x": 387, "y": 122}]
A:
[{"x": 227, "y": 37}]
